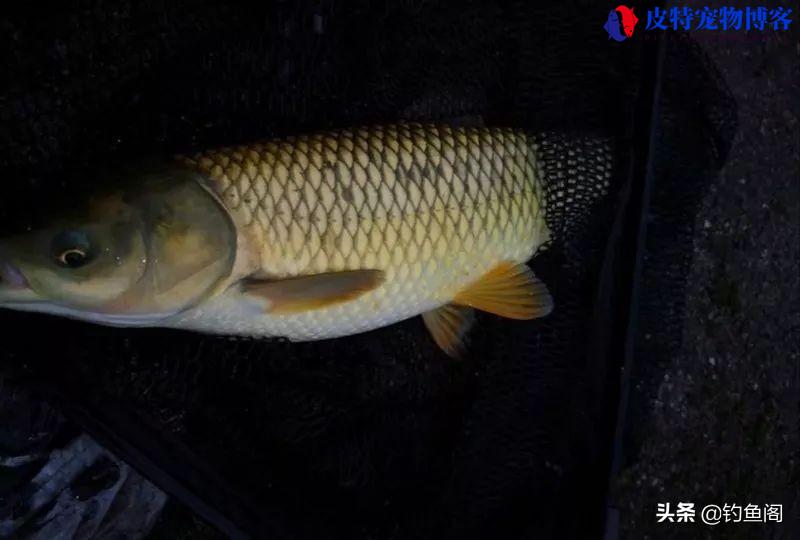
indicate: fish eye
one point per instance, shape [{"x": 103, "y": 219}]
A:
[
  {"x": 72, "y": 249},
  {"x": 72, "y": 258}
]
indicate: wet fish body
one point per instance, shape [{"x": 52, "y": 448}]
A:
[{"x": 339, "y": 233}]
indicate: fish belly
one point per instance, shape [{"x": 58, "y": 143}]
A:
[{"x": 434, "y": 207}]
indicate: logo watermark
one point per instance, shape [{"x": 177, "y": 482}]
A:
[
  {"x": 621, "y": 22},
  {"x": 713, "y": 514}
]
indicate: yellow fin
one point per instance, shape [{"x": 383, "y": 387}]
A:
[
  {"x": 305, "y": 293},
  {"x": 449, "y": 325},
  {"x": 509, "y": 290}
]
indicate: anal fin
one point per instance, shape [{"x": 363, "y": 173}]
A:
[
  {"x": 449, "y": 325},
  {"x": 509, "y": 290}
]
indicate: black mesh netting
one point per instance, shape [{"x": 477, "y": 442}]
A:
[
  {"x": 695, "y": 129},
  {"x": 371, "y": 436}
]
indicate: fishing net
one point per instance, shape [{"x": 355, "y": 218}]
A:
[{"x": 372, "y": 436}]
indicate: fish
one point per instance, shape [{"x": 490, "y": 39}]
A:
[
  {"x": 629, "y": 19},
  {"x": 612, "y": 26},
  {"x": 306, "y": 237}
]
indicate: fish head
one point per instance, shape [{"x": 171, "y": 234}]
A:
[{"x": 127, "y": 258}]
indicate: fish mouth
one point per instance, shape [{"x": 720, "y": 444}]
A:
[
  {"x": 17, "y": 294},
  {"x": 12, "y": 278},
  {"x": 14, "y": 288}
]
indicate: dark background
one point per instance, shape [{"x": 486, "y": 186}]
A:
[
  {"x": 714, "y": 410},
  {"x": 379, "y": 436}
]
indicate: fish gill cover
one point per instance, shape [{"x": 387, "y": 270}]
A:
[{"x": 374, "y": 435}]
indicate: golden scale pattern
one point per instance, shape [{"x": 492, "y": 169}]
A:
[{"x": 404, "y": 198}]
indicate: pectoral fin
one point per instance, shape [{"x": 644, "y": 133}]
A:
[
  {"x": 317, "y": 291},
  {"x": 509, "y": 290},
  {"x": 449, "y": 325}
]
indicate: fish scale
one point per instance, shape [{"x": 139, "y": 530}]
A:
[{"x": 434, "y": 207}]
